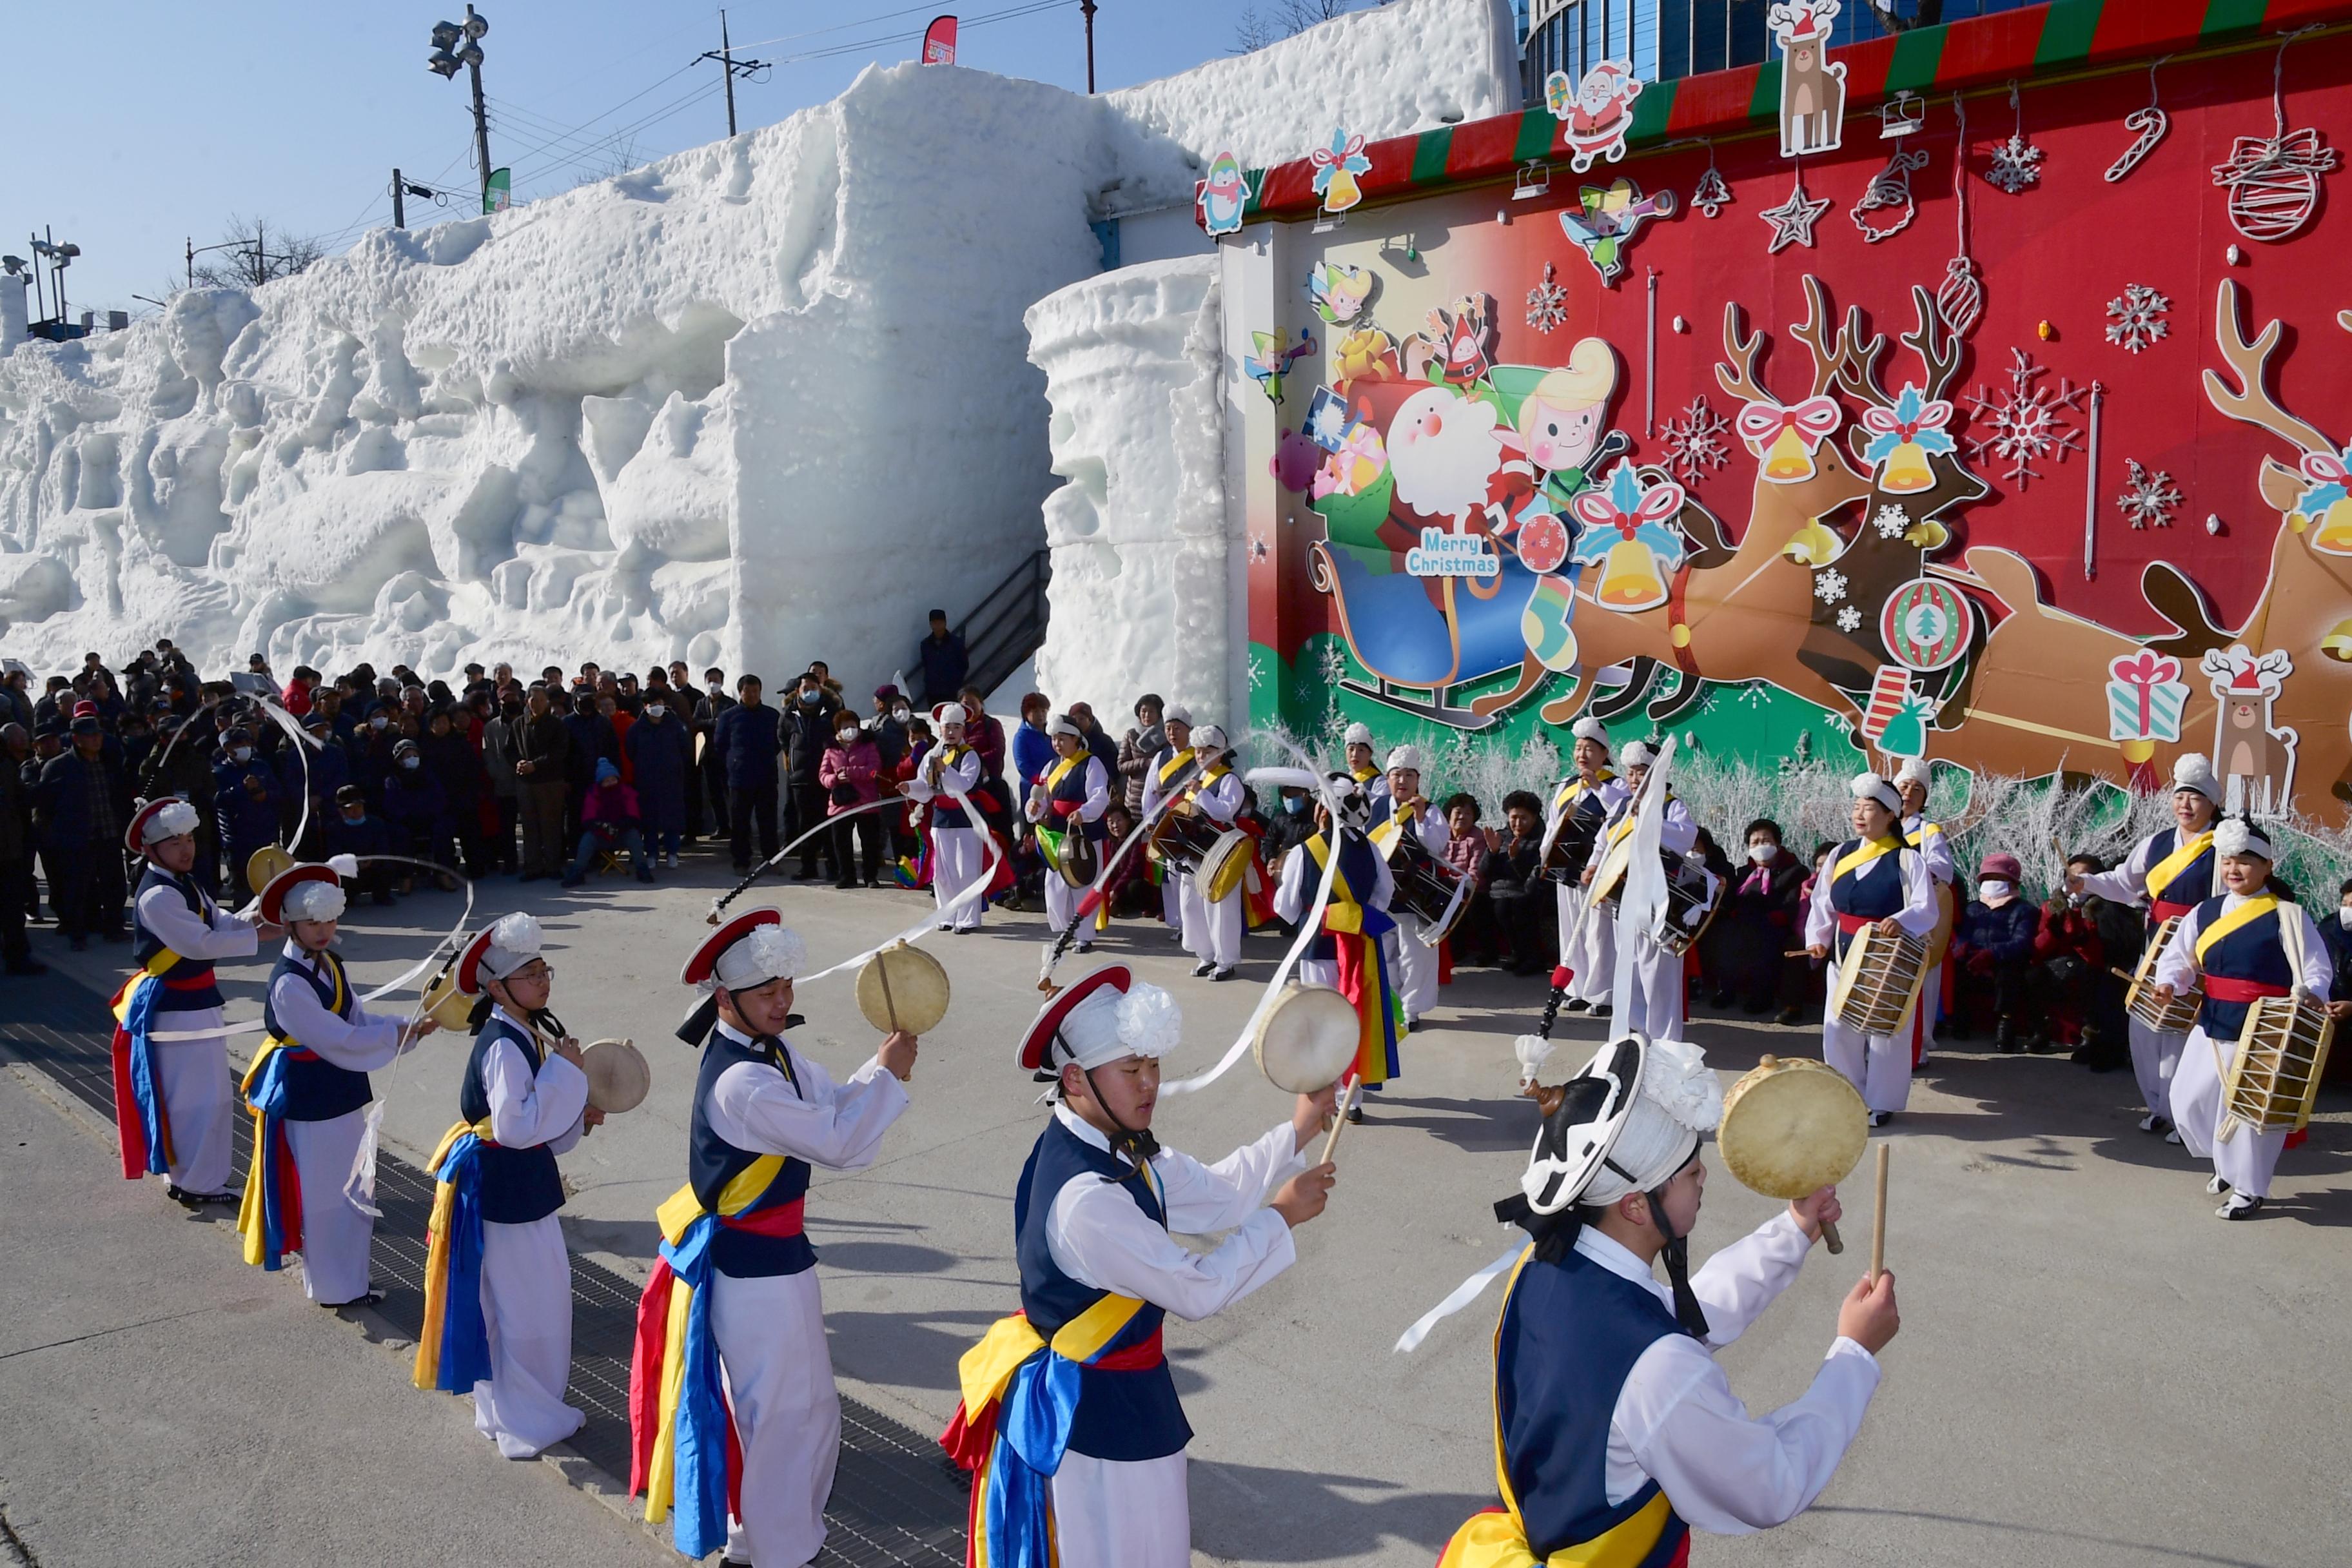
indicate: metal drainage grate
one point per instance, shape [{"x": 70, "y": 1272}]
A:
[{"x": 897, "y": 1501}]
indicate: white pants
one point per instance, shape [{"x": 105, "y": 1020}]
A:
[
  {"x": 1061, "y": 903},
  {"x": 779, "y": 1376},
  {"x": 1110, "y": 1513},
  {"x": 527, "y": 1302},
  {"x": 1171, "y": 897},
  {"x": 1877, "y": 1064},
  {"x": 336, "y": 1233},
  {"x": 198, "y": 1098},
  {"x": 1657, "y": 1005},
  {"x": 2248, "y": 1160},
  {"x": 1923, "y": 1016},
  {"x": 1414, "y": 965},
  {"x": 1213, "y": 931},
  {"x": 2155, "y": 1057},
  {"x": 1591, "y": 953},
  {"x": 959, "y": 855}
]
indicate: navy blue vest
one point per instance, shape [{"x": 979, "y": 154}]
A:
[
  {"x": 2191, "y": 888},
  {"x": 1875, "y": 892},
  {"x": 519, "y": 1185},
  {"x": 1122, "y": 1416},
  {"x": 945, "y": 812},
  {"x": 1360, "y": 876},
  {"x": 145, "y": 944},
  {"x": 1571, "y": 1334},
  {"x": 1072, "y": 790},
  {"x": 711, "y": 1162},
  {"x": 2252, "y": 951},
  {"x": 316, "y": 1090}
]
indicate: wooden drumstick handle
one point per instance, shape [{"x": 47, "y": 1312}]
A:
[
  {"x": 1347, "y": 1098},
  {"x": 1830, "y": 1237},
  {"x": 889, "y": 1004},
  {"x": 1879, "y": 1220}
]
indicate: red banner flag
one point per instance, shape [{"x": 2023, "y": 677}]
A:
[{"x": 939, "y": 41}]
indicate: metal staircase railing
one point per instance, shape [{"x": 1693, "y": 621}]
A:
[{"x": 1009, "y": 624}]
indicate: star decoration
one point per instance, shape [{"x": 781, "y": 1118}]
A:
[
  {"x": 1257, "y": 549},
  {"x": 1792, "y": 221}
]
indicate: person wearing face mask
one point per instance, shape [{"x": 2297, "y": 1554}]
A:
[
  {"x": 887, "y": 726},
  {"x": 353, "y": 830},
  {"x": 1871, "y": 879},
  {"x": 1758, "y": 926},
  {"x": 661, "y": 757},
  {"x": 811, "y": 720},
  {"x": 417, "y": 812},
  {"x": 851, "y": 776},
  {"x": 246, "y": 797},
  {"x": 710, "y": 705},
  {"x": 1995, "y": 945}
]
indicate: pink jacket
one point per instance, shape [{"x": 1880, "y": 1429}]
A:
[{"x": 860, "y": 766}]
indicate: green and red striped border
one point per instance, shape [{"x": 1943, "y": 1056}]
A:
[{"x": 2063, "y": 36}]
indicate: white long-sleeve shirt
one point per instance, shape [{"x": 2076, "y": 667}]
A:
[
  {"x": 529, "y": 1110},
  {"x": 1099, "y": 1237},
  {"x": 205, "y": 938},
  {"x": 1917, "y": 915},
  {"x": 1677, "y": 1422},
  {"x": 1934, "y": 847},
  {"x": 1097, "y": 782},
  {"x": 368, "y": 1044},
  {"x": 964, "y": 769},
  {"x": 2127, "y": 883},
  {"x": 2177, "y": 965},
  {"x": 1301, "y": 877},
  {"x": 1677, "y": 831},
  {"x": 836, "y": 1125},
  {"x": 1220, "y": 801}
]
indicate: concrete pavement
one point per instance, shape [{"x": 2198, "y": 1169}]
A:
[{"x": 2093, "y": 1369}]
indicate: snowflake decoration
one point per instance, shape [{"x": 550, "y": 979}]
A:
[
  {"x": 1849, "y": 619},
  {"x": 1752, "y": 694},
  {"x": 1547, "y": 303},
  {"x": 2136, "y": 319},
  {"x": 2150, "y": 500},
  {"x": 1334, "y": 663},
  {"x": 1696, "y": 442},
  {"x": 1257, "y": 549},
  {"x": 1891, "y": 522},
  {"x": 1829, "y": 588},
  {"x": 1257, "y": 676},
  {"x": 2016, "y": 164},
  {"x": 2023, "y": 421}
]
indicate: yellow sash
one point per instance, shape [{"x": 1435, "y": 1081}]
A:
[
  {"x": 2161, "y": 876},
  {"x": 1344, "y": 914},
  {"x": 1574, "y": 789},
  {"x": 1175, "y": 763},
  {"x": 250, "y": 1222},
  {"x": 1500, "y": 1539},
  {"x": 1211, "y": 771},
  {"x": 1869, "y": 849},
  {"x": 2245, "y": 914},
  {"x": 1061, "y": 770}
]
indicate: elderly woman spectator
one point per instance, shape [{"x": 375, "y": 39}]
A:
[
  {"x": 851, "y": 776},
  {"x": 609, "y": 820},
  {"x": 1744, "y": 949},
  {"x": 659, "y": 748},
  {"x": 1993, "y": 947},
  {"x": 1032, "y": 748}
]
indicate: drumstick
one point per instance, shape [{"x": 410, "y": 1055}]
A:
[
  {"x": 1353, "y": 1092},
  {"x": 1879, "y": 1220},
  {"x": 889, "y": 1005}
]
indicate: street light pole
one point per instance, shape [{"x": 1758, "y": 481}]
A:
[
  {"x": 1088, "y": 9},
  {"x": 460, "y": 43},
  {"x": 481, "y": 116}
]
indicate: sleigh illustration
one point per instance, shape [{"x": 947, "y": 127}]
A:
[{"x": 1436, "y": 634}]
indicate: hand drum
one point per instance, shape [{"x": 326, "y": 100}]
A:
[
  {"x": 1792, "y": 1127},
  {"x": 903, "y": 987},
  {"x": 1307, "y": 1040}
]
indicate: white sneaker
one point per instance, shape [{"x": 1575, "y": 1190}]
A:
[
  {"x": 2217, "y": 1186},
  {"x": 2147, "y": 1123},
  {"x": 2239, "y": 1206},
  {"x": 670, "y": 859}
]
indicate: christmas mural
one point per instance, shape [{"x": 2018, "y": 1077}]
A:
[{"x": 1995, "y": 414}]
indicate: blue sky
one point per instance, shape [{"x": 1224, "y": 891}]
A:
[{"x": 132, "y": 124}]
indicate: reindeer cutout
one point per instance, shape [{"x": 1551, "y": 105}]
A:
[
  {"x": 2247, "y": 748},
  {"x": 1813, "y": 90}
]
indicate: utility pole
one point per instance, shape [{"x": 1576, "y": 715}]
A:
[
  {"x": 260, "y": 254},
  {"x": 731, "y": 67},
  {"x": 1087, "y": 8},
  {"x": 399, "y": 191},
  {"x": 456, "y": 44}
]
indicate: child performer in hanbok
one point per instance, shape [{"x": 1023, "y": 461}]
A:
[
  {"x": 2248, "y": 943},
  {"x": 308, "y": 1088},
  {"x": 1348, "y": 954},
  {"x": 1871, "y": 879},
  {"x": 498, "y": 1282},
  {"x": 171, "y": 1097},
  {"x": 1092, "y": 1474}
]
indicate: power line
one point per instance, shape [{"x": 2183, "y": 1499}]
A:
[{"x": 613, "y": 141}]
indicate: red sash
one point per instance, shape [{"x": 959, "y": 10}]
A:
[
  {"x": 1852, "y": 923},
  {"x": 2222, "y": 988},
  {"x": 196, "y": 982},
  {"x": 783, "y": 1220},
  {"x": 2165, "y": 908}
]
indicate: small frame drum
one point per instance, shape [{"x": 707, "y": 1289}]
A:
[
  {"x": 903, "y": 987},
  {"x": 2177, "y": 1016},
  {"x": 1307, "y": 1040},
  {"x": 1879, "y": 982},
  {"x": 2282, "y": 1053},
  {"x": 1692, "y": 894},
  {"x": 1226, "y": 864},
  {"x": 265, "y": 866},
  {"x": 618, "y": 1077},
  {"x": 1792, "y": 1127},
  {"x": 444, "y": 1004}
]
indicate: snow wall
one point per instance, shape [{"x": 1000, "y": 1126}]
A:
[{"x": 764, "y": 400}]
